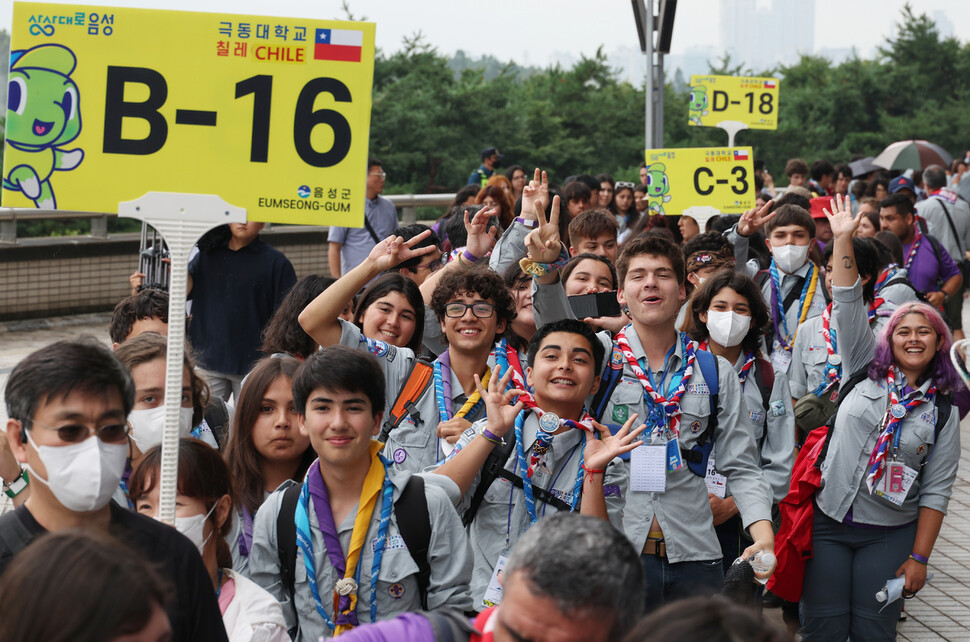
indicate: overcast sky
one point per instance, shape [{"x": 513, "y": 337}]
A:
[{"x": 533, "y": 32}]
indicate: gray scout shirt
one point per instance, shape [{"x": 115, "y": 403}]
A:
[
  {"x": 397, "y": 586},
  {"x": 858, "y": 424},
  {"x": 509, "y": 248},
  {"x": 502, "y": 517},
  {"x": 411, "y": 446},
  {"x": 931, "y": 210}
]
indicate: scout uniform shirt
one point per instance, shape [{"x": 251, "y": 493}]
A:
[
  {"x": 397, "y": 586},
  {"x": 683, "y": 509},
  {"x": 859, "y": 423},
  {"x": 412, "y": 446},
  {"x": 503, "y": 517}
]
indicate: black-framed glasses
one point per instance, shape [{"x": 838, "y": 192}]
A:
[
  {"x": 76, "y": 433},
  {"x": 456, "y": 309},
  {"x": 435, "y": 265}
]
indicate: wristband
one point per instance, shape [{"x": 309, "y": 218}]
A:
[
  {"x": 526, "y": 222},
  {"x": 946, "y": 296},
  {"x": 17, "y": 486},
  {"x": 492, "y": 437},
  {"x": 916, "y": 557},
  {"x": 590, "y": 472},
  {"x": 471, "y": 258},
  {"x": 539, "y": 270}
]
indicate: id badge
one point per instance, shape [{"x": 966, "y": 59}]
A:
[
  {"x": 895, "y": 477},
  {"x": 781, "y": 359},
  {"x": 674, "y": 460},
  {"x": 493, "y": 594}
]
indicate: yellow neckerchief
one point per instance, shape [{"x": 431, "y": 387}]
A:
[
  {"x": 369, "y": 494},
  {"x": 471, "y": 401}
]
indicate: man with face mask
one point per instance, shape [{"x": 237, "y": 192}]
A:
[
  {"x": 792, "y": 285},
  {"x": 68, "y": 405}
]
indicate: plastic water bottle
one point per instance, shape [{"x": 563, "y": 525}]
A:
[
  {"x": 892, "y": 590},
  {"x": 762, "y": 562}
]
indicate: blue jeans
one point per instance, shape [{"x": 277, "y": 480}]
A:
[
  {"x": 667, "y": 582},
  {"x": 848, "y": 566}
]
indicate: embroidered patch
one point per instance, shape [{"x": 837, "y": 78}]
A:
[
  {"x": 561, "y": 494},
  {"x": 394, "y": 542},
  {"x": 611, "y": 490},
  {"x": 921, "y": 449},
  {"x": 400, "y": 455},
  {"x": 396, "y": 590},
  {"x": 756, "y": 416},
  {"x": 698, "y": 389},
  {"x": 391, "y": 353},
  {"x": 778, "y": 408},
  {"x": 617, "y": 358},
  {"x": 377, "y": 348},
  {"x": 927, "y": 417},
  {"x": 695, "y": 427},
  {"x": 620, "y": 413}
]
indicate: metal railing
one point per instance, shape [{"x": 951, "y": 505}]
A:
[{"x": 407, "y": 203}]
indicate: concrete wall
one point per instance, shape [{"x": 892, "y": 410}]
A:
[{"x": 72, "y": 275}]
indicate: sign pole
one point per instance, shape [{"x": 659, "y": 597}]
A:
[
  {"x": 181, "y": 219},
  {"x": 732, "y": 127},
  {"x": 648, "y": 94}
]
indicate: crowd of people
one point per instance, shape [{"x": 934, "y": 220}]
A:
[{"x": 550, "y": 415}]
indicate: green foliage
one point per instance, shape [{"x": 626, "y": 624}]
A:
[{"x": 432, "y": 115}]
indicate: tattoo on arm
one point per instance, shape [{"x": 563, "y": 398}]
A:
[{"x": 847, "y": 262}]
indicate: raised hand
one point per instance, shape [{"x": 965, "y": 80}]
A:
[
  {"x": 480, "y": 239},
  {"x": 394, "y": 250},
  {"x": 451, "y": 430},
  {"x": 599, "y": 452},
  {"x": 498, "y": 401},
  {"x": 543, "y": 243},
  {"x": 752, "y": 220},
  {"x": 841, "y": 219}
]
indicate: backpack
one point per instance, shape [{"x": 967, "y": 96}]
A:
[
  {"x": 411, "y": 390},
  {"x": 943, "y": 405},
  {"x": 410, "y": 511}
]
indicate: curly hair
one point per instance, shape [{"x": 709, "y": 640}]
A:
[
  {"x": 474, "y": 280},
  {"x": 145, "y": 304},
  {"x": 743, "y": 285}
]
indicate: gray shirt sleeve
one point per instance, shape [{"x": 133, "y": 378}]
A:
[
  {"x": 850, "y": 316},
  {"x": 741, "y": 251},
  {"x": 509, "y": 248},
  {"x": 778, "y": 447},
  {"x": 449, "y": 552},
  {"x": 550, "y": 303},
  {"x": 264, "y": 560}
]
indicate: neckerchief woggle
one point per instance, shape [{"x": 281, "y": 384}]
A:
[
  {"x": 530, "y": 501},
  {"x": 671, "y": 405},
  {"x": 345, "y": 591},
  {"x": 778, "y": 315},
  {"x": 745, "y": 367},
  {"x": 894, "y": 415},
  {"x": 442, "y": 390}
]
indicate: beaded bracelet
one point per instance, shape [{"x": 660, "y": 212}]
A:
[
  {"x": 919, "y": 559},
  {"x": 492, "y": 437},
  {"x": 539, "y": 270}
]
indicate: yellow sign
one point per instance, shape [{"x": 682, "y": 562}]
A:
[
  {"x": 715, "y": 99},
  {"x": 721, "y": 177},
  {"x": 106, "y": 104}
]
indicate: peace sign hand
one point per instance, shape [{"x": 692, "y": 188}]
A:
[
  {"x": 535, "y": 193},
  {"x": 599, "y": 452},
  {"x": 544, "y": 243},
  {"x": 841, "y": 219},
  {"x": 499, "y": 409},
  {"x": 394, "y": 250},
  {"x": 752, "y": 220}
]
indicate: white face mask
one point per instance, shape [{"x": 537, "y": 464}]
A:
[
  {"x": 726, "y": 327},
  {"x": 790, "y": 257},
  {"x": 82, "y": 476},
  {"x": 193, "y": 527},
  {"x": 148, "y": 425},
  {"x": 700, "y": 279}
]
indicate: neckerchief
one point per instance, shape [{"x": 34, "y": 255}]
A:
[
  {"x": 442, "y": 390},
  {"x": 885, "y": 276},
  {"x": 530, "y": 501},
  {"x": 918, "y": 236},
  {"x": 832, "y": 373},
  {"x": 785, "y": 338},
  {"x": 508, "y": 358},
  {"x": 345, "y": 591},
  {"x": 745, "y": 367},
  {"x": 670, "y": 406},
  {"x": 545, "y": 435},
  {"x": 894, "y": 417}
]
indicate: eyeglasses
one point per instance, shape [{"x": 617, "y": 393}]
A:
[
  {"x": 456, "y": 310},
  {"x": 434, "y": 266},
  {"x": 380, "y": 174},
  {"x": 622, "y": 184},
  {"x": 76, "y": 433}
]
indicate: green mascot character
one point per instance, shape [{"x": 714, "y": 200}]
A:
[
  {"x": 43, "y": 115},
  {"x": 697, "y": 106},
  {"x": 658, "y": 188}
]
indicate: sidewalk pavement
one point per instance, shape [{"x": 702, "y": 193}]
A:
[{"x": 941, "y": 611}]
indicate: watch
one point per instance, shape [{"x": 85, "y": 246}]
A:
[
  {"x": 946, "y": 296},
  {"x": 17, "y": 486}
]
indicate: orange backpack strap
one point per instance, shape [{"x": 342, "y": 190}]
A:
[{"x": 412, "y": 388}]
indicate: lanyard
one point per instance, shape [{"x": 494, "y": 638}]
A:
[
  {"x": 785, "y": 338},
  {"x": 894, "y": 415},
  {"x": 508, "y": 357},
  {"x": 442, "y": 390},
  {"x": 832, "y": 373},
  {"x": 345, "y": 604},
  {"x": 246, "y": 533},
  {"x": 912, "y": 251},
  {"x": 671, "y": 403},
  {"x": 530, "y": 501}
]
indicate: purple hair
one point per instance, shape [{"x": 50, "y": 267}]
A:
[{"x": 940, "y": 370}]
